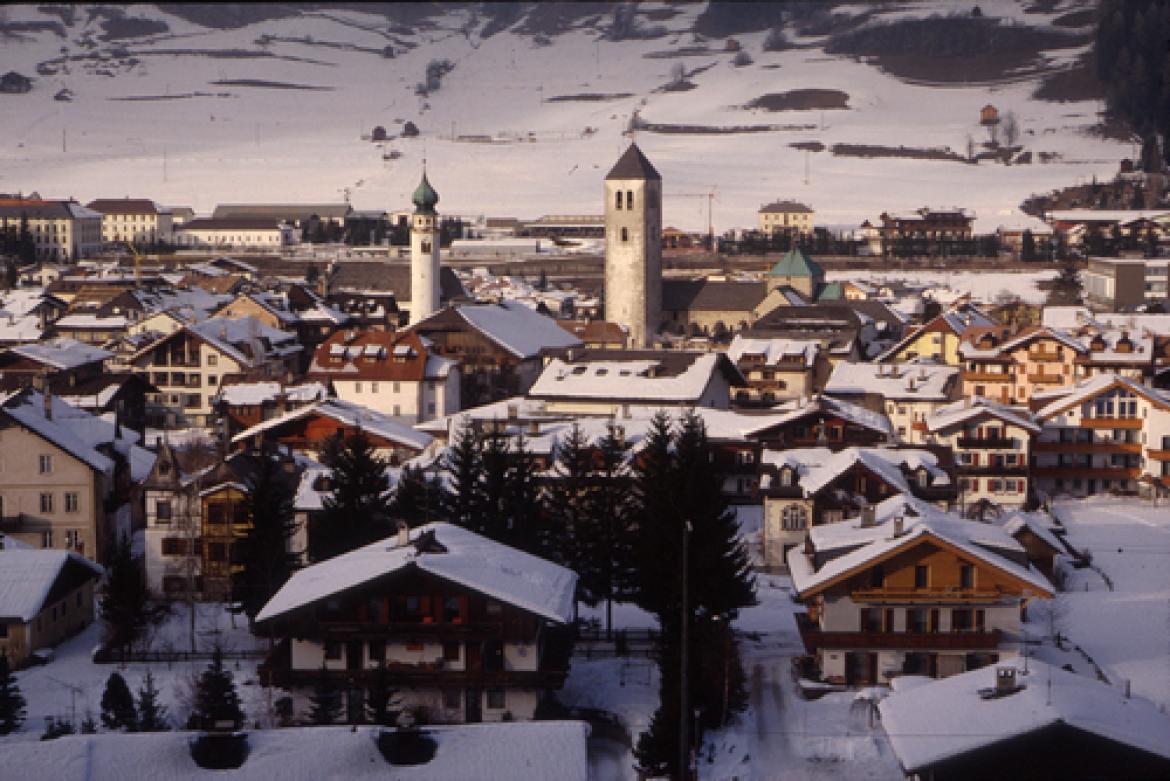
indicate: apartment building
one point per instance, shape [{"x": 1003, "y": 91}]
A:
[
  {"x": 188, "y": 365},
  {"x": 911, "y": 591},
  {"x": 139, "y": 221},
  {"x": 61, "y": 230},
  {"x": 786, "y": 217}
]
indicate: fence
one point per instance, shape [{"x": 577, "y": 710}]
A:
[{"x": 117, "y": 656}]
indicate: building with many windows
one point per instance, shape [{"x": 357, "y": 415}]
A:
[
  {"x": 61, "y": 230},
  {"x": 139, "y": 221}
]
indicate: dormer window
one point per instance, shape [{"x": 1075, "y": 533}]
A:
[
  {"x": 923, "y": 478},
  {"x": 786, "y": 477}
]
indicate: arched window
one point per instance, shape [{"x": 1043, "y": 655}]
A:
[
  {"x": 794, "y": 518},
  {"x": 625, "y": 234},
  {"x": 618, "y": 199},
  {"x": 629, "y": 199}
]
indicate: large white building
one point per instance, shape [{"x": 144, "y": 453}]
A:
[
  {"x": 633, "y": 247},
  {"x": 237, "y": 233},
  {"x": 60, "y": 230},
  {"x": 137, "y": 220}
]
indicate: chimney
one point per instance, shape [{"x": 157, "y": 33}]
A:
[
  {"x": 899, "y": 526},
  {"x": 47, "y": 395},
  {"x": 868, "y": 516},
  {"x": 403, "y": 537},
  {"x": 1005, "y": 680}
]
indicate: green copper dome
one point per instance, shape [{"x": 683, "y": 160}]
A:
[{"x": 424, "y": 197}]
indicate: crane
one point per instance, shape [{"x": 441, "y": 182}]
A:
[
  {"x": 710, "y": 196},
  {"x": 137, "y": 263}
]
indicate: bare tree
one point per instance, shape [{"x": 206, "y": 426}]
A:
[
  {"x": 1011, "y": 129},
  {"x": 1052, "y": 614}
]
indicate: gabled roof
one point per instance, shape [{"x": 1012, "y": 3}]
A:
[
  {"x": 775, "y": 350},
  {"x": 867, "y": 546},
  {"x": 123, "y": 206},
  {"x": 348, "y": 414},
  {"x": 795, "y": 263},
  {"x": 948, "y": 718},
  {"x": 521, "y": 331},
  {"x": 468, "y": 559},
  {"x": 818, "y": 467},
  {"x": 28, "y": 577},
  {"x": 633, "y": 165},
  {"x": 975, "y": 407},
  {"x": 785, "y": 207},
  {"x": 1058, "y": 400},
  {"x": 62, "y": 353},
  {"x": 634, "y": 375},
  {"x": 795, "y": 409}
]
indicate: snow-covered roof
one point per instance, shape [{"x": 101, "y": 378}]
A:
[
  {"x": 867, "y": 545},
  {"x": 919, "y": 379},
  {"x": 973, "y": 407},
  {"x": 1076, "y": 316},
  {"x": 97, "y": 322},
  {"x": 794, "y": 409},
  {"x": 948, "y": 718},
  {"x": 62, "y": 353},
  {"x": 27, "y": 576},
  {"x": 514, "y": 751},
  {"x": 348, "y": 414},
  {"x": 1029, "y": 521},
  {"x": 518, "y": 329},
  {"x": 1060, "y": 399},
  {"x": 625, "y": 379},
  {"x": 252, "y": 393},
  {"x": 774, "y": 350},
  {"x": 509, "y": 575},
  {"x": 816, "y": 467}
]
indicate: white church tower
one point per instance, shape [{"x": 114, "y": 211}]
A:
[
  {"x": 633, "y": 247},
  {"x": 424, "y": 252}
]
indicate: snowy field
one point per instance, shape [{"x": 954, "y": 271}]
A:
[
  {"x": 162, "y": 128},
  {"x": 1126, "y": 630},
  {"x": 946, "y": 286}
]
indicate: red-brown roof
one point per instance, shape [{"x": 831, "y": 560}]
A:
[
  {"x": 123, "y": 206},
  {"x": 353, "y": 354}
]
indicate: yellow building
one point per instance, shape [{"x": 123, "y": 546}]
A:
[{"x": 781, "y": 217}]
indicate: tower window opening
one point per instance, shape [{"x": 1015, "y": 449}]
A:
[
  {"x": 629, "y": 199},
  {"x": 625, "y": 234},
  {"x": 618, "y": 200},
  {"x": 426, "y": 246}
]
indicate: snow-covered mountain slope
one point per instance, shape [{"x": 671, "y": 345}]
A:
[{"x": 518, "y": 149}]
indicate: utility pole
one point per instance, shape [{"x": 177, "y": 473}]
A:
[
  {"x": 684, "y": 749},
  {"x": 63, "y": 148}
]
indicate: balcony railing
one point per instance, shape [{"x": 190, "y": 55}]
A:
[
  {"x": 1111, "y": 422},
  {"x": 1099, "y": 446},
  {"x": 1043, "y": 356},
  {"x": 987, "y": 443},
  {"x": 815, "y": 639},
  {"x": 977, "y": 376},
  {"x": 1015, "y": 470},
  {"x": 1100, "y": 473},
  {"x": 1158, "y": 455},
  {"x": 941, "y": 594},
  {"x": 1041, "y": 378}
]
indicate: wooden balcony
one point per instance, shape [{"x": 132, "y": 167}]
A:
[
  {"x": 815, "y": 640},
  {"x": 940, "y": 594},
  {"x": 1087, "y": 447},
  {"x": 991, "y": 470},
  {"x": 977, "y": 376},
  {"x": 1158, "y": 455},
  {"x": 987, "y": 443},
  {"x": 1131, "y": 423},
  {"x": 1043, "y": 356},
  {"x": 1099, "y": 473},
  {"x": 1040, "y": 378}
]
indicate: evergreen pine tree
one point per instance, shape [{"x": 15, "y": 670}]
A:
[
  {"x": 325, "y": 702},
  {"x": 525, "y": 527},
  {"x": 27, "y": 246},
  {"x": 567, "y": 502},
  {"x": 417, "y": 497},
  {"x": 463, "y": 500},
  {"x": 380, "y": 699},
  {"x": 612, "y": 513},
  {"x": 124, "y": 603},
  {"x": 216, "y": 699},
  {"x": 12, "y": 703},
  {"x": 357, "y": 511},
  {"x": 152, "y": 716},
  {"x": 497, "y": 467},
  {"x": 1028, "y": 246},
  {"x": 118, "y": 705},
  {"x": 264, "y": 551},
  {"x": 312, "y": 274}
]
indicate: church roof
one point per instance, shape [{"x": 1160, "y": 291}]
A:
[
  {"x": 796, "y": 264},
  {"x": 633, "y": 165}
]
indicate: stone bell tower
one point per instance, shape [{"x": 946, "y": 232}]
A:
[
  {"x": 633, "y": 247},
  {"x": 424, "y": 252}
]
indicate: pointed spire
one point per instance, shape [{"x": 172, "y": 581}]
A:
[
  {"x": 633, "y": 165},
  {"x": 424, "y": 197}
]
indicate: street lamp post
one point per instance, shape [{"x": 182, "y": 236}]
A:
[{"x": 683, "y": 711}]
